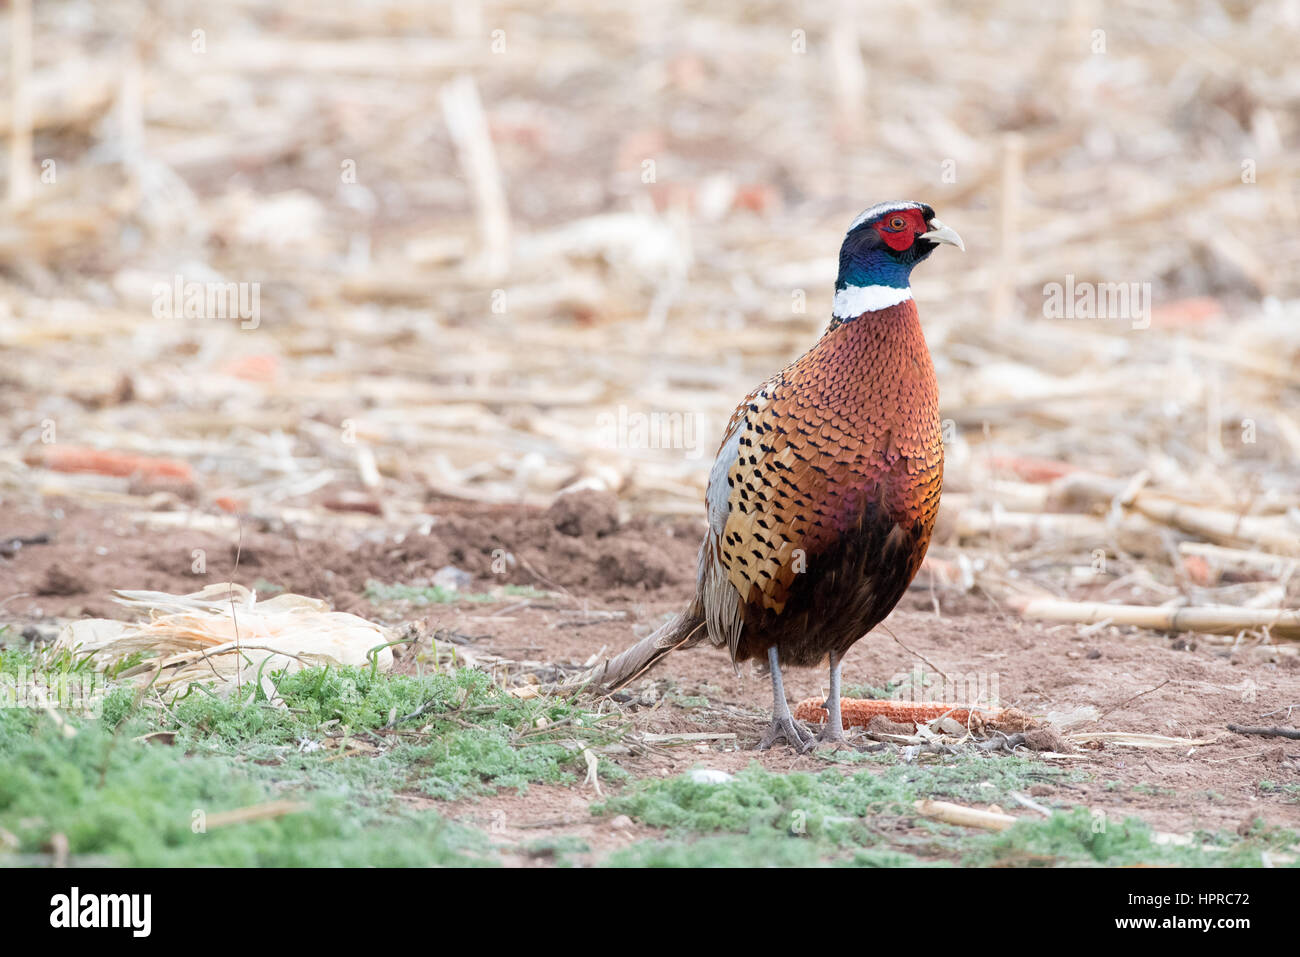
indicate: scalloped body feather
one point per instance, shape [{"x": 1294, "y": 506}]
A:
[
  {"x": 821, "y": 501},
  {"x": 832, "y": 493}
]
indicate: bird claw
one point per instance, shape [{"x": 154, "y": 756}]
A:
[
  {"x": 791, "y": 731},
  {"x": 833, "y": 738}
]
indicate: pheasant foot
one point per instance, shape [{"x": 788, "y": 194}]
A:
[
  {"x": 783, "y": 723},
  {"x": 786, "y": 728}
]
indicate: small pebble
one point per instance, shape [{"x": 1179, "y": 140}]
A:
[
  {"x": 709, "y": 776},
  {"x": 452, "y": 578}
]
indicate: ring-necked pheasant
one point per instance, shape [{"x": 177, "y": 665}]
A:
[{"x": 824, "y": 491}]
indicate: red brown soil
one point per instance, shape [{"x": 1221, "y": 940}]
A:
[
  {"x": 593, "y": 560},
  {"x": 578, "y": 545}
]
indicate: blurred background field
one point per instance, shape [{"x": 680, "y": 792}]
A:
[{"x": 487, "y": 237}]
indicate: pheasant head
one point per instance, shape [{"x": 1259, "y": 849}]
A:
[{"x": 879, "y": 251}]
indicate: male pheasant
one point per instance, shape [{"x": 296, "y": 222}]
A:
[{"x": 824, "y": 491}]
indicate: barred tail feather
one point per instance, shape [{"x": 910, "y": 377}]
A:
[{"x": 611, "y": 674}]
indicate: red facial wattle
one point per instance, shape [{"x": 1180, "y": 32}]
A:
[{"x": 899, "y": 230}]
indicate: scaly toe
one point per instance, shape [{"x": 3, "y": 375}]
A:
[
  {"x": 791, "y": 732},
  {"x": 834, "y": 739}
]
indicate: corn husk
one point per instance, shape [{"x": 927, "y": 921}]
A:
[{"x": 224, "y": 636}]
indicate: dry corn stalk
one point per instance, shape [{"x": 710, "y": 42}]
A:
[
  {"x": 998, "y": 820},
  {"x": 1209, "y": 619},
  {"x": 964, "y": 816},
  {"x": 1138, "y": 739},
  {"x": 1222, "y": 527},
  {"x": 256, "y": 812}
]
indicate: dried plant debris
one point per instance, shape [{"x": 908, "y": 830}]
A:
[{"x": 224, "y": 635}]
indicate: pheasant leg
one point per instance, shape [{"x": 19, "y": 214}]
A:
[
  {"x": 833, "y": 732},
  {"x": 783, "y": 724}
]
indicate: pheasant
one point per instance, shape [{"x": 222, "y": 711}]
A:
[{"x": 824, "y": 492}]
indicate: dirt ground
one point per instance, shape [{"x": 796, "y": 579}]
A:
[{"x": 609, "y": 579}]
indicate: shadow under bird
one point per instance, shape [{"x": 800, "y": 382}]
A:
[{"x": 824, "y": 492}]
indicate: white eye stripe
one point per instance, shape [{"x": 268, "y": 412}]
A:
[{"x": 852, "y": 301}]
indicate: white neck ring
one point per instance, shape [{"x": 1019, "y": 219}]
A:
[{"x": 852, "y": 301}]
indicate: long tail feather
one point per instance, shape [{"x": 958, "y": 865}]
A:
[{"x": 613, "y": 673}]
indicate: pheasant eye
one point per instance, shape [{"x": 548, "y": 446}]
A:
[{"x": 897, "y": 223}]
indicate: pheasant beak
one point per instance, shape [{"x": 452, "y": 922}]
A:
[{"x": 939, "y": 233}]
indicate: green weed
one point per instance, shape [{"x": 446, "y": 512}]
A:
[{"x": 379, "y": 593}]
